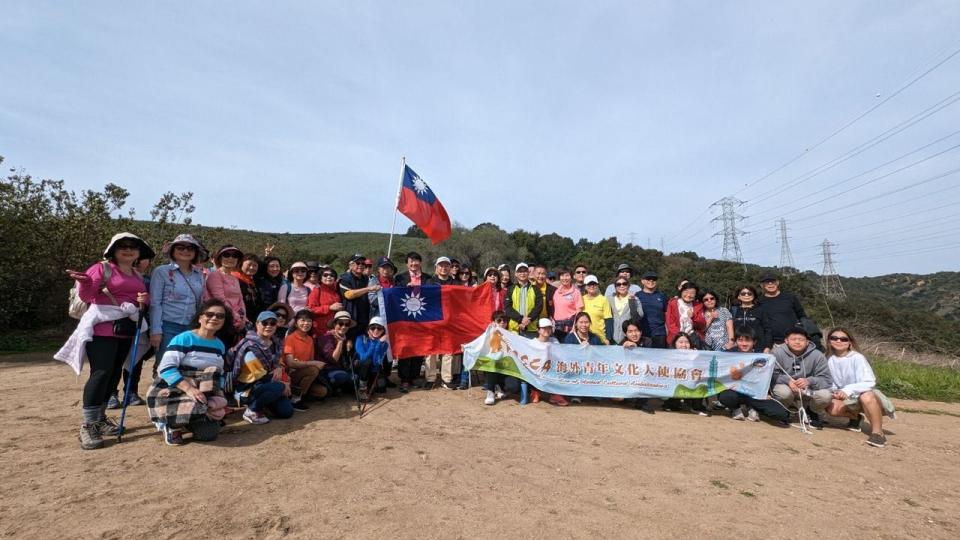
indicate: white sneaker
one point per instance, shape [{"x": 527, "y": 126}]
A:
[
  {"x": 254, "y": 417},
  {"x": 499, "y": 392},
  {"x": 738, "y": 414},
  {"x": 491, "y": 398},
  {"x": 752, "y": 415},
  {"x": 576, "y": 400}
]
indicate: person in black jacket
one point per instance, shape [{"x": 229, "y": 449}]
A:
[
  {"x": 747, "y": 313},
  {"x": 781, "y": 311}
]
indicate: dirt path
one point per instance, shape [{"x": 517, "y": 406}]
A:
[{"x": 439, "y": 464}]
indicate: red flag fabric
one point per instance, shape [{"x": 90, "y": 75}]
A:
[
  {"x": 435, "y": 320},
  {"x": 418, "y": 202}
]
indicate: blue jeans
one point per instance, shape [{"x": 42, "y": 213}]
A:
[
  {"x": 336, "y": 377},
  {"x": 270, "y": 396},
  {"x": 170, "y": 330}
]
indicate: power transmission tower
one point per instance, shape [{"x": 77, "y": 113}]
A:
[
  {"x": 786, "y": 257},
  {"x": 731, "y": 231},
  {"x": 829, "y": 279}
]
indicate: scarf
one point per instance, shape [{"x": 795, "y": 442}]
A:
[
  {"x": 686, "y": 316},
  {"x": 242, "y": 277}
]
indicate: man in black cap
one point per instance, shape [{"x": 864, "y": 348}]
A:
[
  {"x": 624, "y": 271},
  {"x": 781, "y": 310},
  {"x": 654, "y": 305},
  {"x": 384, "y": 277},
  {"x": 354, "y": 286}
]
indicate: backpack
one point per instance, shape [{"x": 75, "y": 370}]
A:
[{"x": 78, "y": 307}]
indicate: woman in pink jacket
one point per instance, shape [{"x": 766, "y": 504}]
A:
[
  {"x": 111, "y": 282},
  {"x": 223, "y": 286}
]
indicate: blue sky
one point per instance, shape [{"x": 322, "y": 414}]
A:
[{"x": 587, "y": 119}]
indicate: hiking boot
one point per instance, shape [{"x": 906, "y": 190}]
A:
[
  {"x": 254, "y": 417},
  {"x": 738, "y": 414},
  {"x": 449, "y": 385},
  {"x": 753, "y": 415},
  {"x": 135, "y": 400},
  {"x": 173, "y": 437},
  {"x": 490, "y": 399},
  {"x": 464, "y": 386},
  {"x": 877, "y": 440},
  {"x": 113, "y": 402},
  {"x": 90, "y": 437},
  {"x": 107, "y": 427}
]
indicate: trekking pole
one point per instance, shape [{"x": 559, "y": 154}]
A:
[
  {"x": 353, "y": 379},
  {"x": 132, "y": 364},
  {"x": 373, "y": 386}
]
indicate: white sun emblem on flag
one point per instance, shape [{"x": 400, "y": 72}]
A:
[
  {"x": 419, "y": 185},
  {"x": 413, "y": 305}
]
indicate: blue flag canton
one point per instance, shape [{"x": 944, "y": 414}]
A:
[
  {"x": 414, "y": 183},
  {"x": 413, "y": 304}
]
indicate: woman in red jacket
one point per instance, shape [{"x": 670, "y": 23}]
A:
[
  {"x": 325, "y": 301},
  {"x": 685, "y": 313}
]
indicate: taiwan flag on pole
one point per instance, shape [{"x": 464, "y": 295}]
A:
[
  {"x": 435, "y": 320},
  {"x": 418, "y": 203}
]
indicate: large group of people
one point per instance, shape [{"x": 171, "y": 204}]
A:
[{"x": 234, "y": 332}]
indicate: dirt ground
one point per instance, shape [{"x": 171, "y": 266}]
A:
[{"x": 440, "y": 464}]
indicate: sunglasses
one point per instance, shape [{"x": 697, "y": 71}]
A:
[
  {"x": 214, "y": 314},
  {"x": 183, "y": 247},
  {"x": 709, "y": 299},
  {"x": 841, "y": 339},
  {"x": 128, "y": 246},
  {"x": 376, "y": 329},
  {"x": 342, "y": 323},
  {"x": 621, "y": 284},
  {"x": 746, "y": 293},
  {"x": 580, "y": 272},
  {"x": 328, "y": 275},
  {"x": 501, "y": 320},
  {"x": 269, "y": 322},
  {"x": 230, "y": 255},
  {"x": 299, "y": 270}
]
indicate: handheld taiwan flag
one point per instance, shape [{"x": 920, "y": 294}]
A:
[
  {"x": 435, "y": 320},
  {"x": 418, "y": 202}
]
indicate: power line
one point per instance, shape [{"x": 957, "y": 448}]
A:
[
  {"x": 899, "y": 128},
  {"x": 850, "y": 123},
  {"x": 912, "y": 252},
  {"x": 899, "y": 203}
]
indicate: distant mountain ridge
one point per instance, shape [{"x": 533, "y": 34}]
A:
[{"x": 938, "y": 293}]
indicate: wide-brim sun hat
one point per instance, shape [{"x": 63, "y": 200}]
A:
[
  {"x": 145, "y": 251},
  {"x": 227, "y": 249},
  {"x": 341, "y": 315}
]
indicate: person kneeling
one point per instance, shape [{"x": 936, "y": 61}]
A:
[
  {"x": 371, "y": 359},
  {"x": 803, "y": 377},
  {"x": 188, "y": 391},
  {"x": 745, "y": 407},
  {"x": 854, "y": 388},
  {"x": 261, "y": 382}
]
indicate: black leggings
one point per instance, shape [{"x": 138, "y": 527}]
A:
[{"x": 106, "y": 356}]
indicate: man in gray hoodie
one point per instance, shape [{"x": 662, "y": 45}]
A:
[{"x": 801, "y": 369}]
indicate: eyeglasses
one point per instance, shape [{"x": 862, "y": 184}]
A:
[
  {"x": 342, "y": 323},
  {"x": 622, "y": 284},
  {"x": 269, "y": 322},
  {"x": 841, "y": 339},
  {"x": 214, "y": 314}
]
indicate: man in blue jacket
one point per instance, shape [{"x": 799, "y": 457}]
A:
[{"x": 654, "y": 305}]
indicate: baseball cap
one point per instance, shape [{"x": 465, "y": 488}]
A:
[
  {"x": 624, "y": 266},
  {"x": 769, "y": 276},
  {"x": 649, "y": 274},
  {"x": 442, "y": 260},
  {"x": 590, "y": 279},
  {"x": 521, "y": 265},
  {"x": 264, "y": 315},
  {"x": 545, "y": 323}
]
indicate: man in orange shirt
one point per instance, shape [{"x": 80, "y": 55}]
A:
[{"x": 298, "y": 360}]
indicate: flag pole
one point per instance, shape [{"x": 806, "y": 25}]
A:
[{"x": 396, "y": 204}]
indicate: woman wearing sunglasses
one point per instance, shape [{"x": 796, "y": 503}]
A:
[
  {"x": 296, "y": 292},
  {"x": 334, "y": 350},
  {"x": 370, "y": 362},
  {"x": 718, "y": 335},
  {"x": 854, "y": 388},
  {"x": 106, "y": 330},
  {"x": 625, "y": 307},
  {"x": 325, "y": 299},
  {"x": 261, "y": 382},
  {"x": 746, "y": 312},
  {"x": 187, "y": 394},
  {"x": 223, "y": 286}
]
